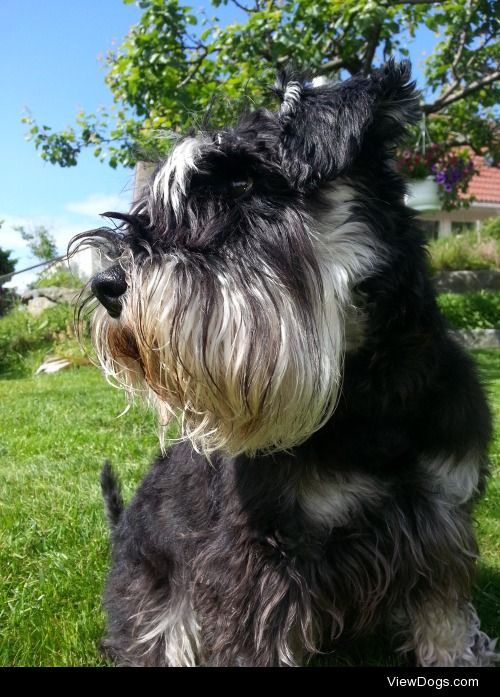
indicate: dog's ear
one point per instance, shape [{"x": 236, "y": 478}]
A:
[{"x": 324, "y": 125}]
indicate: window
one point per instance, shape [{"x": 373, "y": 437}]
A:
[
  {"x": 461, "y": 228},
  {"x": 430, "y": 228}
]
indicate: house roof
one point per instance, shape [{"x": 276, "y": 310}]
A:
[{"x": 485, "y": 186}]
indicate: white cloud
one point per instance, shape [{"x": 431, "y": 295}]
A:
[
  {"x": 95, "y": 204},
  {"x": 61, "y": 229},
  {"x": 22, "y": 281}
]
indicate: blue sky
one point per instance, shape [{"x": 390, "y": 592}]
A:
[{"x": 49, "y": 65}]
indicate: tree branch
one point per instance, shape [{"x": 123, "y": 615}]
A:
[
  {"x": 462, "y": 40},
  {"x": 371, "y": 47},
  {"x": 478, "y": 48},
  {"x": 442, "y": 102},
  {"x": 415, "y": 2},
  {"x": 458, "y": 55},
  {"x": 460, "y": 141},
  {"x": 334, "y": 64},
  {"x": 245, "y": 9},
  {"x": 447, "y": 92},
  {"x": 196, "y": 65},
  {"x": 196, "y": 44}
]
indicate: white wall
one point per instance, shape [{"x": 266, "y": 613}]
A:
[{"x": 476, "y": 213}]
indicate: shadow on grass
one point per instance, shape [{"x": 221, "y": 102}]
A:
[
  {"x": 373, "y": 650},
  {"x": 487, "y": 598}
]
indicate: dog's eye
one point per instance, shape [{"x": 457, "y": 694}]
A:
[{"x": 238, "y": 187}]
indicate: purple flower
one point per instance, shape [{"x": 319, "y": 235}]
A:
[
  {"x": 440, "y": 177},
  {"x": 448, "y": 188}
]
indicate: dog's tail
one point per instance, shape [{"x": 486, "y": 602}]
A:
[{"x": 112, "y": 494}]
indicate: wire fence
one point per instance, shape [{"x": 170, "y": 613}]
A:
[{"x": 5, "y": 278}]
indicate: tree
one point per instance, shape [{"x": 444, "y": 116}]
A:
[
  {"x": 177, "y": 64},
  {"x": 7, "y": 264},
  {"x": 40, "y": 241}
]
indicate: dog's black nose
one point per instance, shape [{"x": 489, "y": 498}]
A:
[{"x": 108, "y": 287}]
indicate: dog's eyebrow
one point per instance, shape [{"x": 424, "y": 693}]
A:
[{"x": 124, "y": 217}]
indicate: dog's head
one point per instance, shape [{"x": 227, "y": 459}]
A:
[{"x": 231, "y": 277}]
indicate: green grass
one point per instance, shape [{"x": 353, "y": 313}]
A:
[
  {"x": 53, "y": 543},
  {"x": 56, "y": 431},
  {"x": 480, "y": 310}
]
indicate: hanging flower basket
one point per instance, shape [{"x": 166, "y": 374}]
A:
[
  {"x": 437, "y": 178},
  {"x": 423, "y": 195}
]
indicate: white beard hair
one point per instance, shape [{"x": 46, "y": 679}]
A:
[{"x": 260, "y": 380}]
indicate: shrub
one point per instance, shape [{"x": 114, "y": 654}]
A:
[
  {"x": 491, "y": 229},
  {"x": 7, "y": 264},
  {"x": 471, "y": 310},
  {"x": 61, "y": 278},
  {"x": 26, "y": 340},
  {"x": 8, "y": 299},
  {"x": 472, "y": 250}
]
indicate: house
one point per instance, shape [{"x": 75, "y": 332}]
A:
[
  {"x": 88, "y": 260},
  {"x": 85, "y": 263},
  {"x": 485, "y": 187}
]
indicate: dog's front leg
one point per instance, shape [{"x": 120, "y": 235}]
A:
[
  {"x": 448, "y": 635},
  {"x": 237, "y": 641},
  {"x": 247, "y": 653},
  {"x": 253, "y": 610}
]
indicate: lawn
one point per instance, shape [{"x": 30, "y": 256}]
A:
[
  {"x": 53, "y": 540},
  {"x": 56, "y": 431}
]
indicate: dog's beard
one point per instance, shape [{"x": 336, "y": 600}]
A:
[{"x": 246, "y": 362}]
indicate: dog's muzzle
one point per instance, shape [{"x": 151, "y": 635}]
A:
[{"x": 108, "y": 287}]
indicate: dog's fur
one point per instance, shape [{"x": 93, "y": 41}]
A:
[{"x": 270, "y": 288}]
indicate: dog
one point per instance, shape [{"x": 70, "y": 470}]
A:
[{"x": 269, "y": 290}]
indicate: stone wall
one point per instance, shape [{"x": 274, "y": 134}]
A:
[{"x": 467, "y": 281}]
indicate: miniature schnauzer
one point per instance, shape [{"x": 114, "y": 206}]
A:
[{"x": 270, "y": 290}]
